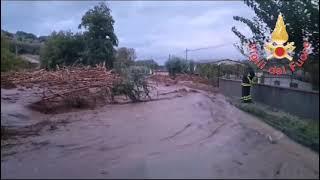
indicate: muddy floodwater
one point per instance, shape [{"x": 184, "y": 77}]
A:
[{"x": 187, "y": 134}]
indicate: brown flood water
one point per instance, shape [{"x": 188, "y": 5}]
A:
[{"x": 189, "y": 135}]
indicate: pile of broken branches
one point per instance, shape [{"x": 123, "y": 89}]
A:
[
  {"x": 68, "y": 83},
  {"x": 179, "y": 77}
]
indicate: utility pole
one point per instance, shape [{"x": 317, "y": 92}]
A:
[
  {"x": 218, "y": 74},
  {"x": 169, "y": 57},
  {"x": 238, "y": 70},
  {"x": 16, "y": 42},
  {"x": 186, "y": 54}
]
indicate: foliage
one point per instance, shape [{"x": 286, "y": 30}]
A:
[
  {"x": 303, "y": 131},
  {"x": 23, "y": 36},
  {"x": 126, "y": 54},
  {"x": 302, "y": 23},
  {"x": 94, "y": 46},
  {"x": 7, "y": 34},
  {"x": 207, "y": 70},
  {"x": 234, "y": 69},
  {"x": 312, "y": 67},
  {"x": 43, "y": 38},
  {"x": 8, "y": 60},
  {"x": 20, "y": 36},
  {"x": 134, "y": 84},
  {"x": 177, "y": 65},
  {"x": 22, "y": 43},
  {"x": 147, "y": 63},
  {"x": 124, "y": 58},
  {"x": 63, "y": 49},
  {"x": 192, "y": 66},
  {"x": 99, "y": 35},
  {"x": 24, "y": 47},
  {"x": 301, "y": 17}
]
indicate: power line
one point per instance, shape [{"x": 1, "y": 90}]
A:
[
  {"x": 180, "y": 53},
  {"x": 210, "y": 47}
]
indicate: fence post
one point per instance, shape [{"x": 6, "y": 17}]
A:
[{"x": 218, "y": 74}]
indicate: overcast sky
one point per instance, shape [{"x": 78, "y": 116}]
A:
[{"x": 154, "y": 29}]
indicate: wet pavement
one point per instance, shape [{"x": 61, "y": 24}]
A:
[{"x": 187, "y": 134}]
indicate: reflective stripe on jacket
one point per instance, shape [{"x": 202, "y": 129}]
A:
[
  {"x": 246, "y": 97},
  {"x": 248, "y": 79},
  {"x": 245, "y": 84}
]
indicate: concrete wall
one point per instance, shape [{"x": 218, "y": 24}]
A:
[
  {"x": 231, "y": 88},
  {"x": 304, "y": 104},
  {"x": 284, "y": 82}
]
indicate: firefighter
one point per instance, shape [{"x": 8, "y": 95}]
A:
[{"x": 247, "y": 82}]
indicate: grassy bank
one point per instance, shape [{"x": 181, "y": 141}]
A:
[{"x": 303, "y": 131}]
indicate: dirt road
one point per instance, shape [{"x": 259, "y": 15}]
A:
[
  {"x": 31, "y": 58},
  {"x": 189, "y": 135}
]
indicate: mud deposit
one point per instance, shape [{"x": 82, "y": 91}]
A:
[{"x": 182, "y": 133}]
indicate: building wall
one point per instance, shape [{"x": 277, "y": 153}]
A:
[{"x": 302, "y": 103}]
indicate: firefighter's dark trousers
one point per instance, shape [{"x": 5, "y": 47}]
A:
[{"x": 246, "y": 97}]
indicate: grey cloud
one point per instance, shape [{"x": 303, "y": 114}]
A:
[{"x": 153, "y": 28}]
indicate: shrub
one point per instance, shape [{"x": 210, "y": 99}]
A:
[
  {"x": 9, "y": 61},
  {"x": 304, "y": 131},
  {"x": 133, "y": 84},
  {"x": 177, "y": 65},
  {"x": 76, "y": 102},
  {"x": 63, "y": 49},
  {"x": 147, "y": 63}
]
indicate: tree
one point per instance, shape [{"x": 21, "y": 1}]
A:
[
  {"x": 99, "y": 35},
  {"x": 207, "y": 70},
  {"x": 177, "y": 65},
  {"x": 133, "y": 84},
  {"x": 6, "y": 33},
  {"x": 25, "y": 47},
  {"x": 125, "y": 56},
  {"x": 23, "y": 36},
  {"x": 63, "y": 48},
  {"x": 191, "y": 66},
  {"x": 301, "y": 17},
  {"x": 22, "y": 42},
  {"x": 43, "y": 38},
  {"x": 147, "y": 63},
  {"x": 8, "y": 59}
]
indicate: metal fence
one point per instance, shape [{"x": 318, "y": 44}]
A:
[{"x": 214, "y": 71}]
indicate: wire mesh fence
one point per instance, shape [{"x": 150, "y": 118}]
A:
[
  {"x": 234, "y": 70},
  {"x": 307, "y": 78}
]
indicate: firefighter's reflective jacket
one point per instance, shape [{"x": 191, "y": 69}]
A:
[{"x": 247, "y": 79}]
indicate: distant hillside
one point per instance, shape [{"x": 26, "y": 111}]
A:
[
  {"x": 219, "y": 61},
  {"x": 24, "y": 43},
  {"x": 24, "y": 36}
]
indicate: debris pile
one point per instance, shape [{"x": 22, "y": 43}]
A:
[
  {"x": 73, "y": 86},
  {"x": 193, "y": 78},
  {"x": 191, "y": 81},
  {"x": 179, "y": 77},
  {"x": 163, "y": 79}
]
